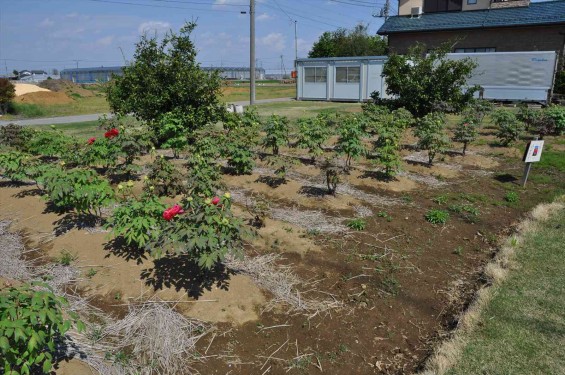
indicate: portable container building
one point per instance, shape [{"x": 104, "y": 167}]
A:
[
  {"x": 340, "y": 78},
  {"x": 504, "y": 76},
  {"x": 91, "y": 75}
]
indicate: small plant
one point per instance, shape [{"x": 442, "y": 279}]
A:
[
  {"x": 165, "y": 178},
  {"x": 509, "y": 128},
  {"x": 466, "y": 132},
  {"x": 437, "y": 216},
  {"x": 259, "y": 209},
  {"x": 282, "y": 165},
  {"x": 91, "y": 273},
  {"x": 15, "y": 136},
  {"x": 241, "y": 158},
  {"x": 66, "y": 258},
  {"x": 431, "y": 135},
  {"x": 557, "y": 114},
  {"x": 48, "y": 143},
  {"x": 173, "y": 132},
  {"x": 357, "y": 224},
  {"x": 467, "y": 211},
  {"x": 313, "y": 133},
  {"x": 385, "y": 215},
  {"x": 276, "y": 133},
  {"x": 391, "y": 285},
  {"x": 511, "y": 197},
  {"x": 350, "y": 141},
  {"x": 477, "y": 109},
  {"x": 332, "y": 174},
  {"x": 458, "y": 250},
  {"x": 389, "y": 133},
  {"x": 31, "y": 323},
  {"x": 441, "y": 199},
  {"x": 13, "y": 165},
  {"x": 203, "y": 176}
]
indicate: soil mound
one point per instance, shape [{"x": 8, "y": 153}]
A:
[
  {"x": 26, "y": 88},
  {"x": 44, "y": 98},
  {"x": 65, "y": 86}
]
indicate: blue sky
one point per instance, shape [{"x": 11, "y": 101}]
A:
[{"x": 47, "y": 34}]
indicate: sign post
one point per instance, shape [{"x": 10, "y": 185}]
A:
[{"x": 532, "y": 155}]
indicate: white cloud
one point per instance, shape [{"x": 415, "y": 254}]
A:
[
  {"x": 46, "y": 23},
  {"x": 273, "y": 41},
  {"x": 106, "y": 41},
  {"x": 154, "y": 26},
  {"x": 263, "y": 17}
]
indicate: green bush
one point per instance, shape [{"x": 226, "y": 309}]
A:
[
  {"x": 557, "y": 114},
  {"x": 203, "y": 176},
  {"x": 15, "y": 136},
  {"x": 164, "y": 178},
  {"x": 509, "y": 127},
  {"x": 79, "y": 189},
  {"x": 437, "y": 216},
  {"x": 389, "y": 134},
  {"x": 511, "y": 197},
  {"x": 13, "y": 165},
  {"x": 138, "y": 220},
  {"x": 276, "y": 133},
  {"x": 313, "y": 132},
  {"x": 31, "y": 321},
  {"x": 51, "y": 142},
  {"x": 466, "y": 131},
  {"x": 350, "y": 141},
  {"x": 431, "y": 135}
]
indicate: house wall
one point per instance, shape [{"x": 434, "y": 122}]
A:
[
  {"x": 405, "y": 6},
  {"x": 512, "y": 39},
  {"x": 481, "y": 4}
]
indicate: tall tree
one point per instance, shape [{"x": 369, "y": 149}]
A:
[
  {"x": 349, "y": 42},
  {"x": 165, "y": 79}
]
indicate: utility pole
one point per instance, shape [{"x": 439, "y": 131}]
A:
[
  {"x": 252, "y": 52},
  {"x": 295, "y": 44},
  {"x": 77, "y": 61}
]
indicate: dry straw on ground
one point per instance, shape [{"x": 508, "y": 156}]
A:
[{"x": 448, "y": 353}]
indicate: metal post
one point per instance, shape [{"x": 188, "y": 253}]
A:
[
  {"x": 295, "y": 44},
  {"x": 252, "y": 52},
  {"x": 526, "y": 174}
]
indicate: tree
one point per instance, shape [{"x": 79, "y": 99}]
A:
[
  {"x": 509, "y": 127},
  {"x": 344, "y": 42},
  {"x": 466, "y": 131},
  {"x": 7, "y": 94},
  {"x": 425, "y": 82},
  {"x": 165, "y": 78}
]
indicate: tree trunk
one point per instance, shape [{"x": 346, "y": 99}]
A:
[{"x": 464, "y": 148}]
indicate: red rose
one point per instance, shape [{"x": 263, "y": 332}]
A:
[
  {"x": 91, "y": 140},
  {"x": 111, "y": 133},
  {"x": 215, "y": 200},
  {"x": 171, "y": 212}
]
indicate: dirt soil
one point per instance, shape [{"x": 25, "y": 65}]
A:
[
  {"x": 65, "y": 86},
  {"x": 26, "y": 88},
  {"x": 44, "y": 98},
  {"x": 402, "y": 280}
]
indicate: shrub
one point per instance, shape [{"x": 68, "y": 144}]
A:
[
  {"x": 203, "y": 176},
  {"x": 7, "y": 94},
  {"x": 31, "y": 322},
  {"x": 276, "y": 133},
  {"x": 431, "y": 135},
  {"x": 79, "y": 189},
  {"x": 281, "y": 164},
  {"x": 49, "y": 143},
  {"x": 387, "y": 145},
  {"x": 527, "y": 115},
  {"x": 164, "y": 178},
  {"x": 509, "y": 128},
  {"x": 172, "y": 131},
  {"x": 437, "y": 216},
  {"x": 333, "y": 172},
  {"x": 15, "y": 136},
  {"x": 350, "y": 141},
  {"x": 466, "y": 131},
  {"x": 313, "y": 132},
  {"x": 421, "y": 82},
  {"x": 206, "y": 230},
  {"x": 13, "y": 165},
  {"x": 477, "y": 109},
  {"x": 557, "y": 114},
  {"x": 138, "y": 220},
  {"x": 357, "y": 224},
  {"x": 241, "y": 158}
]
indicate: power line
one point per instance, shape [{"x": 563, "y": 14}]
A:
[{"x": 163, "y": 6}]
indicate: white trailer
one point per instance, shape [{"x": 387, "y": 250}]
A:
[
  {"x": 513, "y": 76},
  {"x": 504, "y": 76}
]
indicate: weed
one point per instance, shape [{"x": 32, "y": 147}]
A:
[
  {"x": 511, "y": 197},
  {"x": 288, "y": 229},
  {"x": 91, "y": 273},
  {"x": 458, "y": 250},
  {"x": 407, "y": 198},
  {"x": 118, "y": 296},
  {"x": 441, "y": 199},
  {"x": 66, "y": 258},
  {"x": 437, "y": 216},
  {"x": 357, "y": 224},
  {"x": 391, "y": 285}
]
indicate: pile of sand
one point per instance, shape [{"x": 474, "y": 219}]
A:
[
  {"x": 45, "y": 97},
  {"x": 66, "y": 86},
  {"x": 26, "y": 88}
]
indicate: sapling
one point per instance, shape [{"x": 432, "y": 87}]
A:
[
  {"x": 276, "y": 133},
  {"x": 509, "y": 127},
  {"x": 431, "y": 135},
  {"x": 466, "y": 131},
  {"x": 350, "y": 141}
]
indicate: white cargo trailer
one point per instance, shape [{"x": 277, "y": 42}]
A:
[
  {"x": 504, "y": 76},
  {"x": 513, "y": 76}
]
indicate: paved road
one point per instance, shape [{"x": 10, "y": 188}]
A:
[{"x": 94, "y": 117}]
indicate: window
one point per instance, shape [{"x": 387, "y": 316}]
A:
[
  {"x": 432, "y": 6},
  {"x": 348, "y": 74},
  {"x": 474, "y": 50},
  {"x": 315, "y": 74},
  {"x": 471, "y": 2}
]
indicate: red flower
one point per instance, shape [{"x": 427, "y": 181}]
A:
[
  {"x": 111, "y": 133},
  {"x": 91, "y": 140},
  {"x": 171, "y": 212},
  {"x": 466, "y": 124},
  {"x": 215, "y": 200}
]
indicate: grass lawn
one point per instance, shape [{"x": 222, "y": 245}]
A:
[
  {"x": 84, "y": 130},
  {"x": 241, "y": 93},
  {"x": 522, "y": 329},
  {"x": 79, "y": 106}
]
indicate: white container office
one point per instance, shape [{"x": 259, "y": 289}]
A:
[{"x": 340, "y": 78}]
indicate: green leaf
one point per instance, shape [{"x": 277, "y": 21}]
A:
[{"x": 47, "y": 366}]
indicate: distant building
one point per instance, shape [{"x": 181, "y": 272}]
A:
[
  {"x": 478, "y": 25},
  {"x": 91, "y": 75},
  {"x": 32, "y": 75},
  {"x": 237, "y": 73}
]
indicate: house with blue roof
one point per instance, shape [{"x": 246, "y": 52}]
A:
[{"x": 478, "y": 25}]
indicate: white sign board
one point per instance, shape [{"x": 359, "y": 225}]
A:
[{"x": 533, "y": 152}]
